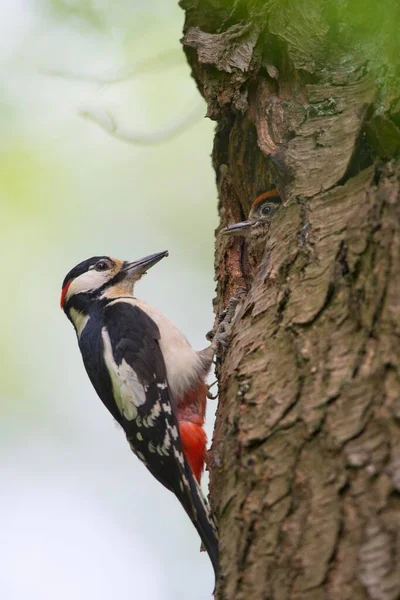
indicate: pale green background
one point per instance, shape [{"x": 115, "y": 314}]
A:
[{"x": 80, "y": 518}]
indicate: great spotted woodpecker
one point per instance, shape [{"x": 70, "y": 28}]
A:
[
  {"x": 261, "y": 212},
  {"x": 147, "y": 375}
]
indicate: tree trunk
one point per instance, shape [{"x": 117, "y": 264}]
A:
[{"x": 305, "y": 461}]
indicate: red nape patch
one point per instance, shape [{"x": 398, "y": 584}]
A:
[
  {"x": 194, "y": 441},
  {"x": 64, "y": 293}
]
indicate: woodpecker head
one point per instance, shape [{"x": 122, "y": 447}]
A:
[
  {"x": 261, "y": 212},
  {"x": 102, "y": 277}
]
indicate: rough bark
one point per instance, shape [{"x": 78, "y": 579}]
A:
[{"x": 305, "y": 461}]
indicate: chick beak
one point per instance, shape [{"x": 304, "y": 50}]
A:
[
  {"x": 139, "y": 267},
  {"x": 241, "y": 228}
]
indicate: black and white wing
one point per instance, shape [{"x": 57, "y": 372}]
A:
[{"x": 140, "y": 389}]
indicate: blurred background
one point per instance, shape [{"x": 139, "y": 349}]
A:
[{"x": 80, "y": 518}]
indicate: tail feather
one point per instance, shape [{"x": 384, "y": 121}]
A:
[{"x": 202, "y": 518}]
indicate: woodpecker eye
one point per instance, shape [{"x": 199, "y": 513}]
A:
[
  {"x": 266, "y": 210},
  {"x": 103, "y": 265}
]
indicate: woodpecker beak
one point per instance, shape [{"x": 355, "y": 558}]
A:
[
  {"x": 139, "y": 267},
  {"x": 241, "y": 228}
]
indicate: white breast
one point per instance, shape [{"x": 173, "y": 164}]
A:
[{"x": 182, "y": 362}]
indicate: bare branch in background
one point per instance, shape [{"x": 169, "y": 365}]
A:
[
  {"x": 109, "y": 123},
  {"x": 157, "y": 63}
]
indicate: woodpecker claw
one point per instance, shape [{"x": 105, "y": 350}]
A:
[
  {"x": 211, "y": 396},
  {"x": 210, "y": 335}
]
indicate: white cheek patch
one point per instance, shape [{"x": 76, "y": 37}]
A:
[
  {"x": 87, "y": 282},
  {"x": 128, "y": 392}
]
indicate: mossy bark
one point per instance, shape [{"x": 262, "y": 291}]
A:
[{"x": 305, "y": 461}]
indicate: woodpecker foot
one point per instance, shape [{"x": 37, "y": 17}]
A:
[
  {"x": 227, "y": 315},
  {"x": 222, "y": 335},
  {"x": 224, "y": 330}
]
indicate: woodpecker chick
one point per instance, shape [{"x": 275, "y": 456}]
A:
[
  {"x": 147, "y": 375},
  {"x": 261, "y": 213}
]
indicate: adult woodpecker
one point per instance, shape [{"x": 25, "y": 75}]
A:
[
  {"x": 147, "y": 375},
  {"x": 261, "y": 212}
]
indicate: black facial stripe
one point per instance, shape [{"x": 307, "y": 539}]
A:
[
  {"x": 116, "y": 279},
  {"x": 113, "y": 281},
  {"x": 82, "y": 268},
  {"x": 88, "y": 300},
  {"x": 82, "y": 302},
  {"x": 85, "y": 301}
]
